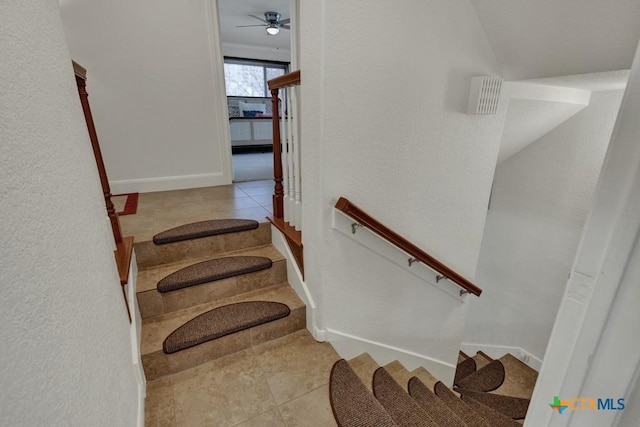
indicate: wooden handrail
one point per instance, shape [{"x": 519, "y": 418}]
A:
[
  {"x": 81, "y": 81},
  {"x": 291, "y": 79},
  {"x": 418, "y": 254}
]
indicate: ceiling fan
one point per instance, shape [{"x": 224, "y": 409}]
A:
[{"x": 272, "y": 23}]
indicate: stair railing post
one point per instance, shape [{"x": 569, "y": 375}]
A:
[
  {"x": 93, "y": 136},
  {"x": 278, "y": 194}
]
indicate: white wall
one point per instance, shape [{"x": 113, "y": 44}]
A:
[
  {"x": 156, "y": 90},
  {"x": 384, "y": 125},
  {"x": 65, "y": 358},
  {"x": 256, "y": 52},
  {"x": 593, "y": 349},
  {"x": 539, "y": 204}
]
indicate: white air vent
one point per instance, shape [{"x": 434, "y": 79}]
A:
[{"x": 484, "y": 95}]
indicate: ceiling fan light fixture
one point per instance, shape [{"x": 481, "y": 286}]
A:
[{"x": 273, "y": 29}]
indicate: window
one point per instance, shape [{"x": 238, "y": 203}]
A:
[{"x": 246, "y": 77}]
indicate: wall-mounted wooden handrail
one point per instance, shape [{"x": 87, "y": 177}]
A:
[
  {"x": 291, "y": 79},
  {"x": 418, "y": 254}
]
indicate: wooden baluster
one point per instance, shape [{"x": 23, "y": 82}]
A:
[
  {"x": 81, "y": 81},
  {"x": 278, "y": 211}
]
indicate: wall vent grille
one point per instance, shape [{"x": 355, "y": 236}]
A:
[{"x": 484, "y": 95}]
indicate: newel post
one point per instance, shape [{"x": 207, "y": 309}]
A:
[
  {"x": 278, "y": 194},
  {"x": 81, "y": 81}
]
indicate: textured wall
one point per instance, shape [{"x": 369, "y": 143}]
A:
[
  {"x": 385, "y": 126},
  {"x": 65, "y": 357},
  {"x": 541, "y": 197},
  {"x": 152, "y": 85}
]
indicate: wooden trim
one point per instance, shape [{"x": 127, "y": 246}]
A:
[
  {"x": 278, "y": 192},
  {"x": 371, "y": 223},
  {"x": 79, "y": 70},
  {"x": 81, "y": 82},
  {"x": 123, "y": 254},
  {"x": 291, "y": 79},
  {"x": 294, "y": 239}
]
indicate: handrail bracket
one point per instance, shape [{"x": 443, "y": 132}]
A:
[
  {"x": 412, "y": 260},
  {"x": 355, "y": 226}
]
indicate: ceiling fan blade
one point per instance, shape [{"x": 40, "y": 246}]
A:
[
  {"x": 243, "y": 26},
  {"x": 285, "y": 21},
  {"x": 286, "y": 27},
  {"x": 259, "y": 19}
]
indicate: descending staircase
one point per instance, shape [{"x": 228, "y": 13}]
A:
[
  {"x": 209, "y": 289},
  {"x": 487, "y": 393}
]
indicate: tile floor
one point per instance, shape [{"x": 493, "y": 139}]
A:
[
  {"x": 166, "y": 209},
  {"x": 278, "y": 383}
]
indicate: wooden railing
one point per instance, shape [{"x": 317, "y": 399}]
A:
[
  {"x": 412, "y": 250},
  {"x": 124, "y": 245},
  {"x": 287, "y": 194},
  {"x": 291, "y": 167}
]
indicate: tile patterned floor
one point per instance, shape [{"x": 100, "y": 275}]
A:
[
  {"x": 166, "y": 209},
  {"x": 278, "y": 383}
]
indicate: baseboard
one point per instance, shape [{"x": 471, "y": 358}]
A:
[
  {"x": 296, "y": 281},
  {"x": 349, "y": 346},
  {"x": 497, "y": 351},
  {"x": 166, "y": 183}
]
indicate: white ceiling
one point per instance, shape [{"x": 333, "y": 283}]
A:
[
  {"x": 236, "y": 12},
  {"x": 546, "y": 38}
]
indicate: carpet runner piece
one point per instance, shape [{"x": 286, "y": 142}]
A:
[
  {"x": 204, "y": 229},
  {"x": 404, "y": 410},
  {"x": 437, "y": 410},
  {"x": 223, "y": 321},
  {"x": 485, "y": 379},
  {"x": 461, "y": 409},
  {"x": 464, "y": 369},
  {"x": 351, "y": 402},
  {"x": 212, "y": 270},
  {"x": 494, "y": 417},
  {"x": 512, "y": 407}
]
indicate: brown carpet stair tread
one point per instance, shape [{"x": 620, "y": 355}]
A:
[
  {"x": 352, "y": 404},
  {"x": 223, "y": 321},
  {"x": 495, "y": 418},
  {"x": 485, "y": 379},
  {"x": 436, "y": 408},
  {"x": 512, "y": 407},
  {"x": 200, "y": 229},
  {"x": 403, "y": 409},
  {"x": 464, "y": 369},
  {"x": 212, "y": 270},
  {"x": 461, "y": 409}
]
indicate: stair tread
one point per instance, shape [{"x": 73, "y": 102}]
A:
[
  {"x": 351, "y": 402},
  {"x": 212, "y": 270},
  {"x": 155, "y": 330},
  {"x": 520, "y": 379},
  {"x": 464, "y": 369},
  {"x": 201, "y": 229},
  {"x": 149, "y": 277},
  {"x": 481, "y": 360},
  {"x": 399, "y": 373},
  {"x": 425, "y": 376},
  {"x": 461, "y": 409},
  {"x": 222, "y": 321},
  {"x": 435, "y": 407},
  {"x": 488, "y": 378},
  {"x": 404, "y": 410},
  {"x": 364, "y": 366}
]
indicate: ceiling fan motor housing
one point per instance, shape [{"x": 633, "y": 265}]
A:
[{"x": 272, "y": 17}]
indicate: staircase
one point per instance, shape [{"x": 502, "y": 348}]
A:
[
  {"x": 486, "y": 393},
  {"x": 209, "y": 289}
]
